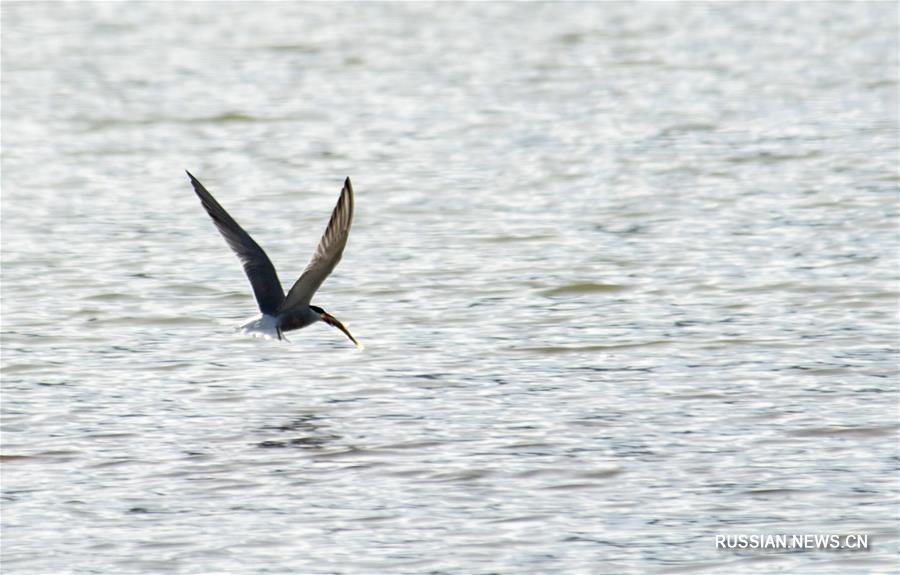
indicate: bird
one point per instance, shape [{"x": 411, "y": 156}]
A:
[{"x": 279, "y": 312}]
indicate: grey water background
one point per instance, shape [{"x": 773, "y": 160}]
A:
[{"x": 626, "y": 275}]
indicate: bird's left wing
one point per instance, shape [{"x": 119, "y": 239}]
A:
[
  {"x": 259, "y": 269},
  {"x": 327, "y": 254}
]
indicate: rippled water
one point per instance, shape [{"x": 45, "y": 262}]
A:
[{"x": 626, "y": 275}]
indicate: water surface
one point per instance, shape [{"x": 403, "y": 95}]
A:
[{"x": 626, "y": 275}]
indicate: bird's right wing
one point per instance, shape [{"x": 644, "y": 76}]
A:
[
  {"x": 259, "y": 269},
  {"x": 327, "y": 254}
]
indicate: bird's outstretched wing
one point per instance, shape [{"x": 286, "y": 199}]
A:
[
  {"x": 259, "y": 269},
  {"x": 327, "y": 255}
]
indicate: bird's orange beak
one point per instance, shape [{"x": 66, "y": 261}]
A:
[{"x": 333, "y": 321}]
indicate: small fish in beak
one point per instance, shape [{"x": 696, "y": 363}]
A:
[{"x": 333, "y": 321}]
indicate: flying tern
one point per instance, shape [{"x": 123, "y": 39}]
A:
[{"x": 280, "y": 313}]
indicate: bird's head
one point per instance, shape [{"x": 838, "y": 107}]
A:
[{"x": 334, "y": 322}]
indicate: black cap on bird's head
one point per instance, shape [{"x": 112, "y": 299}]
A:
[{"x": 334, "y": 322}]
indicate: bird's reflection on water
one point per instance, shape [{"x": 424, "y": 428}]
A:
[{"x": 313, "y": 434}]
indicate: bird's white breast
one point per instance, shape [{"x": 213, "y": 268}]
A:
[{"x": 262, "y": 326}]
